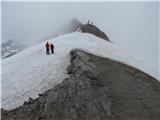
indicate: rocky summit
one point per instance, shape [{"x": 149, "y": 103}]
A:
[{"x": 92, "y": 29}]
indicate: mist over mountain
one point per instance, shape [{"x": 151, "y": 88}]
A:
[{"x": 69, "y": 27}]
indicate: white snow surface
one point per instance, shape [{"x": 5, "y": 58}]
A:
[{"x": 32, "y": 72}]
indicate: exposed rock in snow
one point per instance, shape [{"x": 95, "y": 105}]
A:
[
  {"x": 97, "y": 89},
  {"x": 32, "y": 72}
]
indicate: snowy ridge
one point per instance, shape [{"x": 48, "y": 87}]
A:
[{"x": 31, "y": 72}]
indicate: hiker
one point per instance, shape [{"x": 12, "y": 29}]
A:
[
  {"x": 47, "y": 48},
  {"x": 52, "y": 48}
]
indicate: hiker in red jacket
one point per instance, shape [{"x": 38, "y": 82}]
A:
[
  {"x": 47, "y": 48},
  {"x": 52, "y": 48}
]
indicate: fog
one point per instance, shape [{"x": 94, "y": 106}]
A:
[{"x": 133, "y": 26}]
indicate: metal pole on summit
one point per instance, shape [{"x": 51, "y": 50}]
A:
[{"x": 88, "y": 22}]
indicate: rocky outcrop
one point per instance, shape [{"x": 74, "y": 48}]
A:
[
  {"x": 97, "y": 89},
  {"x": 89, "y": 28},
  {"x": 79, "y": 97}
]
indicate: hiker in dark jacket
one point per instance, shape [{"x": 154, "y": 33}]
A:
[
  {"x": 52, "y": 48},
  {"x": 47, "y": 48}
]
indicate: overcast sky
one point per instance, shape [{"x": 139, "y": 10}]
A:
[{"x": 133, "y": 26}]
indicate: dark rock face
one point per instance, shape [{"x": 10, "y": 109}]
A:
[
  {"x": 89, "y": 28},
  {"x": 97, "y": 89}
]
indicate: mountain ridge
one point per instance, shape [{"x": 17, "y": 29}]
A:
[
  {"x": 97, "y": 89},
  {"x": 41, "y": 76}
]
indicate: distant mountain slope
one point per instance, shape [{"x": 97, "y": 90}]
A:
[
  {"x": 97, "y": 89},
  {"x": 10, "y": 47},
  {"x": 31, "y": 72}
]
